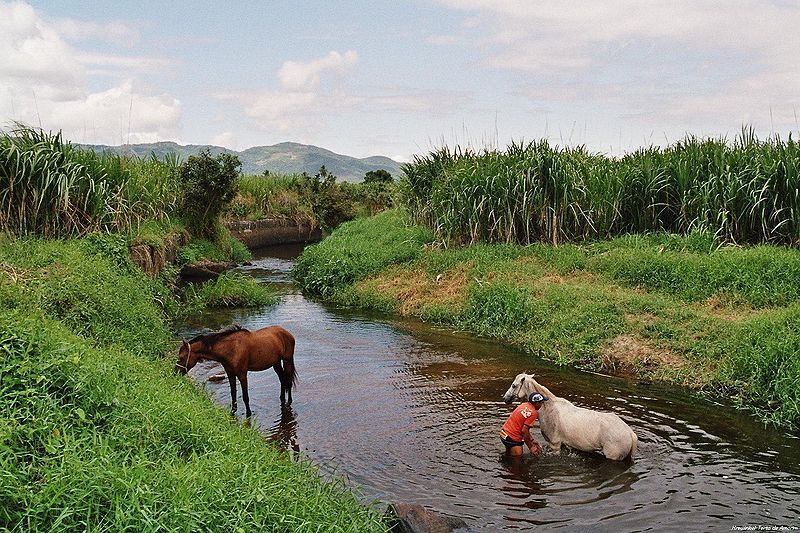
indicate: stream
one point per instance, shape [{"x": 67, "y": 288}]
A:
[{"x": 405, "y": 412}]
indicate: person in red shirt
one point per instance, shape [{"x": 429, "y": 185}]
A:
[{"x": 516, "y": 430}]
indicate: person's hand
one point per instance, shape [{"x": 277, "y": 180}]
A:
[{"x": 536, "y": 450}]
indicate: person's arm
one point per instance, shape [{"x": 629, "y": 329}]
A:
[{"x": 533, "y": 446}]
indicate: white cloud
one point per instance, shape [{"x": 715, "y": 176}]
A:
[
  {"x": 665, "y": 63},
  {"x": 273, "y": 105},
  {"x": 114, "y": 32},
  {"x": 226, "y": 139},
  {"x": 119, "y": 115},
  {"x": 293, "y": 110},
  {"x": 305, "y": 76},
  {"x": 45, "y": 81},
  {"x": 33, "y": 52},
  {"x": 301, "y": 96}
]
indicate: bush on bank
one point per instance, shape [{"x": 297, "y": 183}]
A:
[
  {"x": 97, "y": 433},
  {"x": 659, "y": 306}
]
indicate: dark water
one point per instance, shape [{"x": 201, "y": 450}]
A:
[{"x": 409, "y": 413}]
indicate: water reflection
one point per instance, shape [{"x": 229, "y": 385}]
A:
[{"x": 283, "y": 430}]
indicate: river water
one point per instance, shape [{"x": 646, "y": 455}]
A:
[{"x": 409, "y": 413}]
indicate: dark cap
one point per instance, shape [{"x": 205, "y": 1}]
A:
[{"x": 535, "y": 397}]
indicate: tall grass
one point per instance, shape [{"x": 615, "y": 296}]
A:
[
  {"x": 272, "y": 196},
  {"x": 319, "y": 201},
  {"x": 745, "y": 191},
  {"x": 49, "y": 187}
]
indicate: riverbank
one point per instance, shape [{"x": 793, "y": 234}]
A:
[
  {"x": 660, "y": 307},
  {"x": 96, "y": 432}
]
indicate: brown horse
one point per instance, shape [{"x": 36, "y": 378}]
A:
[{"x": 240, "y": 350}]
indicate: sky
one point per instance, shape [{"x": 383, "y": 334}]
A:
[{"x": 400, "y": 78}]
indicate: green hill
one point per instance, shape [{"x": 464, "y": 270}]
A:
[{"x": 282, "y": 158}]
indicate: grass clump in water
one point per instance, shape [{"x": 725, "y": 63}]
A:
[{"x": 231, "y": 289}]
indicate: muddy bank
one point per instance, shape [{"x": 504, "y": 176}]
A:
[
  {"x": 260, "y": 233},
  {"x": 153, "y": 259}
]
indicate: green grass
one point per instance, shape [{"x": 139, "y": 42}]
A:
[
  {"x": 322, "y": 202},
  {"x": 763, "y": 276},
  {"x": 358, "y": 249},
  {"x": 97, "y": 433},
  {"x": 226, "y": 249},
  {"x": 270, "y": 197},
  {"x": 723, "y": 319},
  {"x": 81, "y": 284}
]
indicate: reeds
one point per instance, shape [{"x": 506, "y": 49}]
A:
[
  {"x": 49, "y": 187},
  {"x": 745, "y": 191}
]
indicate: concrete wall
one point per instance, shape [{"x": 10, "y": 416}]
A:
[{"x": 260, "y": 233}]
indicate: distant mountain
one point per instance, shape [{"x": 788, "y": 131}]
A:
[{"x": 282, "y": 158}]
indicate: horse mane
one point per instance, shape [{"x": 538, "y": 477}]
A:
[
  {"x": 542, "y": 389},
  {"x": 210, "y": 339}
]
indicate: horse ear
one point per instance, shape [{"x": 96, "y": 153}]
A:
[{"x": 184, "y": 342}]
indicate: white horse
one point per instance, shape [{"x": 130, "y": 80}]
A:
[{"x": 563, "y": 422}]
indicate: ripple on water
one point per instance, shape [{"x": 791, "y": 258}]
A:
[{"x": 408, "y": 413}]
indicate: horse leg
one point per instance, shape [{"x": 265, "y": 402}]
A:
[
  {"x": 279, "y": 370},
  {"x": 245, "y": 395},
  {"x": 555, "y": 447},
  {"x": 288, "y": 375},
  {"x": 288, "y": 387},
  {"x": 232, "y": 380}
]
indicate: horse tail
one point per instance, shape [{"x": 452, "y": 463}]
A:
[{"x": 288, "y": 361}]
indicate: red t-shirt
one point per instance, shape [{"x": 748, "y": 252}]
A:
[{"x": 524, "y": 414}]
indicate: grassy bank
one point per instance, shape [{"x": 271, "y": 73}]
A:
[
  {"x": 96, "y": 433},
  {"x": 663, "y": 307}
]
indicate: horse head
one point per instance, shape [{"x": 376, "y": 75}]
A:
[
  {"x": 186, "y": 358},
  {"x": 520, "y": 388}
]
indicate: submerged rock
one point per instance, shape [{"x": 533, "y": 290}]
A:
[
  {"x": 204, "y": 270},
  {"x": 216, "y": 378},
  {"x": 412, "y": 518}
]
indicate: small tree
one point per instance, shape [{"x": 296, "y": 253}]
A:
[
  {"x": 328, "y": 200},
  {"x": 378, "y": 176},
  {"x": 376, "y": 191},
  {"x": 209, "y": 185}
]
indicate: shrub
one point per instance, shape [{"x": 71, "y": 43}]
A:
[{"x": 209, "y": 185}]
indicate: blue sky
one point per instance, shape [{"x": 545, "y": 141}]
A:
[{"x": 398, "y": 78}]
